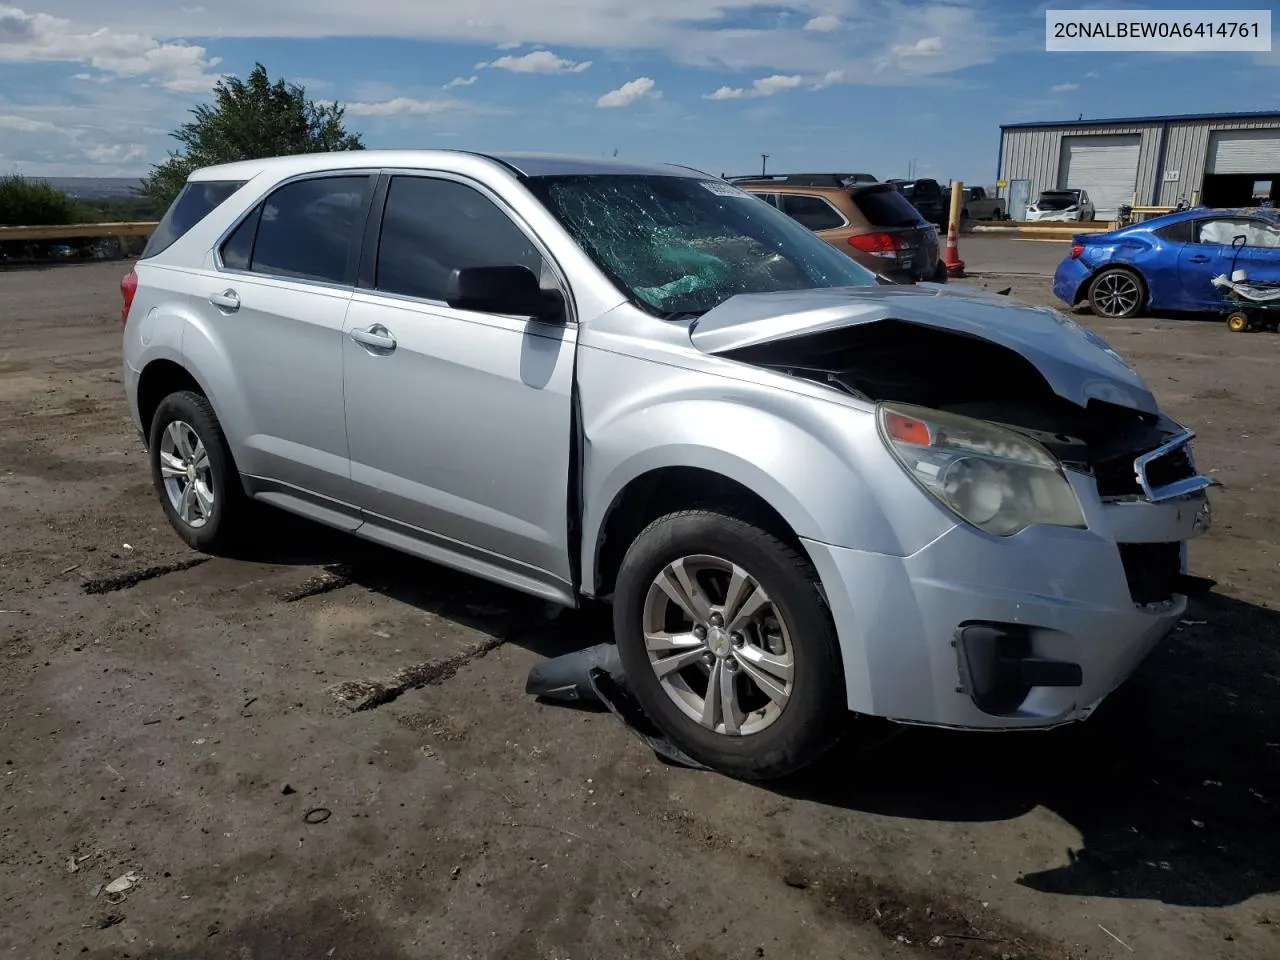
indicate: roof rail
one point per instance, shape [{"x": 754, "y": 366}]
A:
[{"x": 807, "y": 179}]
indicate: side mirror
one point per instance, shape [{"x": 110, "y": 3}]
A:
[{"x": 503, "y": 289}]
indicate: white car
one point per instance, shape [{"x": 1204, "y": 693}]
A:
[{"x": 1062, "y": 205}]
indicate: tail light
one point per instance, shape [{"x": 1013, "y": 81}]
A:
[
  {"x": 876, "y": 244},
  {"x": 128, "y": 287},
  {"x": 1076, "y": 250}
]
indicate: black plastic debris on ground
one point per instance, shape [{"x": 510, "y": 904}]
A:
[{"x": 595, "y": 676}]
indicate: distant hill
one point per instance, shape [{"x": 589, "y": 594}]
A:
[{"x": 94, "y": 188}]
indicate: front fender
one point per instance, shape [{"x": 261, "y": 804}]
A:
[{"x": 820, "y": 465}]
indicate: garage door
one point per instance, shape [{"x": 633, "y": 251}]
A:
[
  {"x": 1106, "y": 166},
  {"x": 1244, "y": 151}
]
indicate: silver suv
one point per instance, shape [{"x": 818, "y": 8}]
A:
[{"x": 804, "y": 491}]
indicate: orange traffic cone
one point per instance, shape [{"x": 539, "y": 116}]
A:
[{"x": 952, "y": 261}]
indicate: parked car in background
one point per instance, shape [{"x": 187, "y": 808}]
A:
[
  {"x": 979, "y": 206},
  {"x": 803, "y": 492},
  {"x": 1169, "y": 262},
  {"x": 1062, "y": 205},
  {"x": 927, "y": 196},
  {"x": 871, "y": 222}
]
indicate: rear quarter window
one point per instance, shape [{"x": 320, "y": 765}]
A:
[
  {"x": 813, "y": 212},
  {"x": 887, "y": 208},
  {"x": 196, "y": 200}
]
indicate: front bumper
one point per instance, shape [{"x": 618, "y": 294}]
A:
[{"x": 1063, "y": 598}]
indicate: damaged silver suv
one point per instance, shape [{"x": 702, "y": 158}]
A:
[{"x": 805, "y": 491}]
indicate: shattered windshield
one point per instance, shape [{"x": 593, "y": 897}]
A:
[{"x": 678, "y": 245}]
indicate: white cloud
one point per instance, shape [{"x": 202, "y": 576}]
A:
[
  {"x": 510, "y": 45},
  {"x": 763, "y": 87},
  {"x": 824, "y": 24},
  {"x": 924, "y": 47},
  {"x": 1091, "y": 75},
  {"x": 1064, "y": 87},
  {"x": 829, "y": 79},
  {"x": 628, "y": 93},
  {"x": 460, "y": 82},
  {"x": 768, "y": 86},
  {"x": 407, "y": 107},
  {"x": 41, "y": 38},
  {"x": 26, "y": 125},
  {"x": 537, "y": 61},
  {"x": 116, "y": 152},
  {"x": 696, "y": 32}
]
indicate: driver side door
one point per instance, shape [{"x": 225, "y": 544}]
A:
[
  {"x": 458, "y": 422},
  {"x": 1208, "y": 255}
]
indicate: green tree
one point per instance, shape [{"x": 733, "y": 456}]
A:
[
  {"x": 34, "y": 203},
  {"x": 247, "y": 120}
]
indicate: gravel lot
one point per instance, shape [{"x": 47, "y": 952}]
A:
[{"x": 174, "y": 718}]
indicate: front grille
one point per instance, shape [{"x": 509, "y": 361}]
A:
[
  {"x": 1152, "y": 570},
  {"x": 1173, "y": 466},
  {"x": 1117, "y": 477}
]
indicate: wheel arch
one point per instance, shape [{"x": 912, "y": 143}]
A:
[
  {"x": 1085, "y": 291},
  {"x": 668, "y": 489},
  {"x": 159, "y": 379}
]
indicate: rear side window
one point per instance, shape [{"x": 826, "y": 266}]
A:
[
  {"x": 194, "y": 202},
  {"x": 1177, "y": 232},
  {"x": 887, "y": 208},
  {"x": 432, "y": 227},
  {"x": 813, "y": 212},
  {"x": 306, "y": 230}
]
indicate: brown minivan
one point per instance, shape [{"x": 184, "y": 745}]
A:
[{"x": 871, "y": 222}]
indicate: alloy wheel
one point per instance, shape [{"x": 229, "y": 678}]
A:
[
  {"x": 1116, "y": 294},
  {"x": 187, "y": 474},
  {"x": 719, "y": 648}
]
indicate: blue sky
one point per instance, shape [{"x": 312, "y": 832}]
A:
[{"x": 93, "y": 87}]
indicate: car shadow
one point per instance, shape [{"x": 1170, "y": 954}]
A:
[{"x": 1173, "y": 784}]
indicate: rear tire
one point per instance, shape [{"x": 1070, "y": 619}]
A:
[
  {"x": 774, "y": 650},
  {"x": 194, "y": 474},
  {"x": 1116, "y": 294},
  {"x": 1237, "y": 322}
]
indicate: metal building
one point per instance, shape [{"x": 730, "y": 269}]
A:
[{"x": 1219, "y": 159}]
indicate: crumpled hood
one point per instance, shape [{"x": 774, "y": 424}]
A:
[{"x": 1078, "y": 365}]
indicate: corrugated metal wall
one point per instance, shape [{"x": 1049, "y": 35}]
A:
[
  {"x": 1187, "y": 151},
  {"x": 1034, "y": 153}
]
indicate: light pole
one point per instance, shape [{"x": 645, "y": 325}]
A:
[{"x": 764, "y": 163}]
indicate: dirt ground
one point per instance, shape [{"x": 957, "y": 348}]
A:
[{"x": 179, "y": 721}]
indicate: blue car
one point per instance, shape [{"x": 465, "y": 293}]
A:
[{"x": 1169, "y": 262}]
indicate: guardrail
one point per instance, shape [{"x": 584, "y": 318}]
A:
[
  {"x": 1045, "y": 230},
  {"x": 79, "y": 231}
]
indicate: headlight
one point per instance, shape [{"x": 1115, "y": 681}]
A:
[{"x": 993, "y": 478}]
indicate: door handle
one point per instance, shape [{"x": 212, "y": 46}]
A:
[
  {"x": 1199, "y": 258},
  {"x": 226, "y": 300},
  {"x": 377, "y": 336}
]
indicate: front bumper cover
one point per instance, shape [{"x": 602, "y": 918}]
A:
[{"x": 1063, "y": 627}]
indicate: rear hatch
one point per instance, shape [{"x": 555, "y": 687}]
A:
[{"x": 900, "y": 236}]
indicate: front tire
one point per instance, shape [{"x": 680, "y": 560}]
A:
[
  {"x": 194, "y": 474},
  {"x": 728, "y": 645},
  {"x": 1116, "y": 294}
]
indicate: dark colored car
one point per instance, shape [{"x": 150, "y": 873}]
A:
[
  {"x": 872, "y": 222},
  {"x": 928, "y": 197}
]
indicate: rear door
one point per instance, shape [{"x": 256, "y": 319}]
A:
[{"x": 276, "y": 301}]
